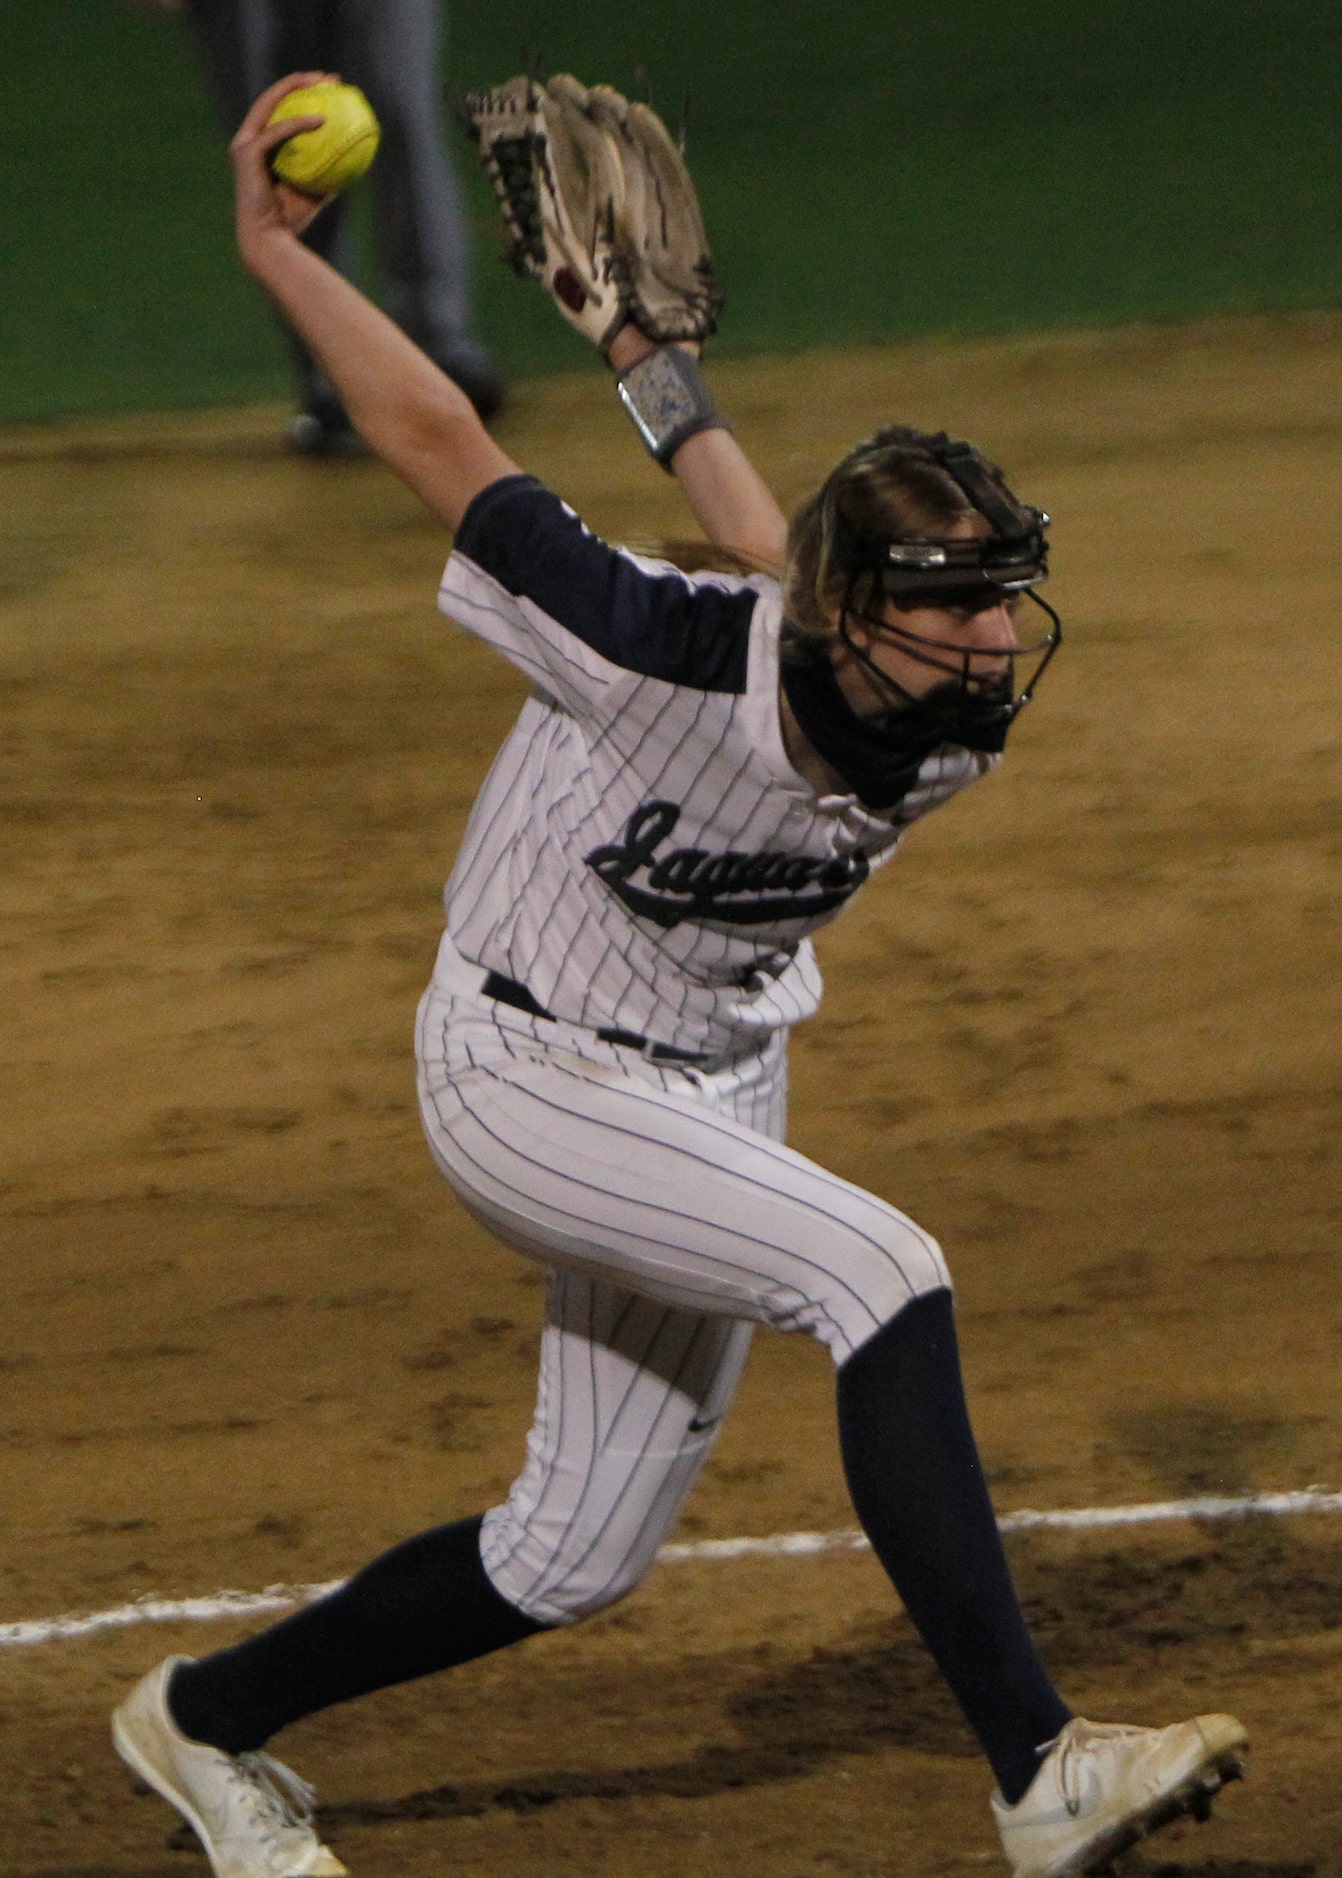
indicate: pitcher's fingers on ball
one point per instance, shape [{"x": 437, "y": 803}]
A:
[
  {"x": 261, "y": 107},
  {"x": 272, "y": 136},
  {"x": 263, "y": 201}
]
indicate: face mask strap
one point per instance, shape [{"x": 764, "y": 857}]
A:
[
  {"x": 1013, "y": 556},
  {"x": 1006, "y": 517}
]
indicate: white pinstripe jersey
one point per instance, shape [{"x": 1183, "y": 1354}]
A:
[{"x": 642, "y": 854}]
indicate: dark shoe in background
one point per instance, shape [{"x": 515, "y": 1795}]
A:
[
  {"x": 321, "y": 427},
  {"x": 470, "y": 366}
]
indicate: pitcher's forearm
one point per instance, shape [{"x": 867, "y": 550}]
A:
[
  {"x": 407, "y": 410},
  {"x": 381, "y": 375},
  {"x": 730, "y": 499}
]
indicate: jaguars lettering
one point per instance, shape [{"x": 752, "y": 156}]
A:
[{"x": 733, "y": 889}]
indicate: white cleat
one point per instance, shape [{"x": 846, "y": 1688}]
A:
[
  {"x": 252, "y": 1814},
  {"x": 1102, "y": 1786}
]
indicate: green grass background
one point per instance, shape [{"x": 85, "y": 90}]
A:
[{"x": 869, "y": 170}]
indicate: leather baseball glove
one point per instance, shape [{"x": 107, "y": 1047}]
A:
[
  {"x": 599, "y": 206},
  {"x": 674, "y": 291},
  {"x": 558, "y": 181}
]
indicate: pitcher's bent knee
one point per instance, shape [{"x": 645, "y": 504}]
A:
[
  {"x": 878, "y": 1276},
  {"x": 550, "y": 1579}
]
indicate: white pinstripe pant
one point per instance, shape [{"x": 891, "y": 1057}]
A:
[{"x": 673, "y": 1220}]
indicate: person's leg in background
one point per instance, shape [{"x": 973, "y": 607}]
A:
[
  {"x": 308, "y": 37},
  {"x": 244, "y": 46},
  {"x": 393, "y": 50}
]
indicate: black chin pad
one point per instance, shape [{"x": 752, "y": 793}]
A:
[{"x": 879, "y": 758}]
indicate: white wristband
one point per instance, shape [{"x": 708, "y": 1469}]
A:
[{"x": 668, "y": 400}]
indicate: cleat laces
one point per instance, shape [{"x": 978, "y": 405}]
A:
[
  {"x": 1074, "y": 1744},
  {"x": 277, "y": 1801}
]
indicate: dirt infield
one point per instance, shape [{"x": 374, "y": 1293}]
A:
[{"x": 1088, "y": 1030}]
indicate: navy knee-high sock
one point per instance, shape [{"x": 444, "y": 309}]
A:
[
  {"x": 917, "y": 1485},
  {"x": 425, "y": 1605}
]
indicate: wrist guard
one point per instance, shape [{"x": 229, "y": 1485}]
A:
[{"x": 668, "y": 400}]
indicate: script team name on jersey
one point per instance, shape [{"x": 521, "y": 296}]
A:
[
  {"x": 642, "y": 853},
  {"x": 742, "y": 889}
]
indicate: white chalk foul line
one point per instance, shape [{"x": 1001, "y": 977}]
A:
[{"x": 154, "y": 1610}]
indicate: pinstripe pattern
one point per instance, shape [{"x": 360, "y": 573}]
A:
[
  {"x": 643, "y": 856},
  {"x": 672, "y": 1218},
  {"x": 654, "y": 690},
  {"x": 612, "y": 1453}
]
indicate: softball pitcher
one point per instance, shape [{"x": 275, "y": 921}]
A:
[{"x": 707, "y": 768}]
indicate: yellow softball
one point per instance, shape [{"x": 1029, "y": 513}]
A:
[{"x": 324, "y": 161}]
